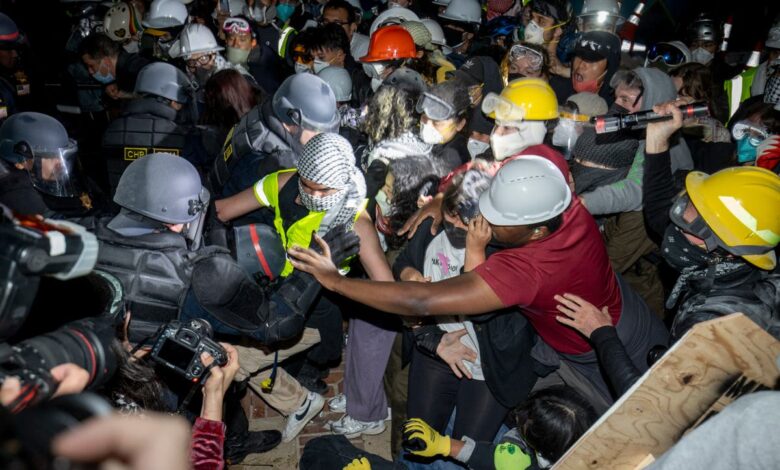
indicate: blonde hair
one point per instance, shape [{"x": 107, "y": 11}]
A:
[{"x": 390, "y": 114}]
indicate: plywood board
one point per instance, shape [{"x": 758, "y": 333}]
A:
[{"x": 672, "y": 395}]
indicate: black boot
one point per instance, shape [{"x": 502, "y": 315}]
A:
[{"x": 239, "y": 441}]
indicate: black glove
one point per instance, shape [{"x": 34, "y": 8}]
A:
[{"x": 343, "y": 244}]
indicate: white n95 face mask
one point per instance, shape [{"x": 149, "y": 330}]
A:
[
  {"x": 430, "y": 135},
  {"x": 477, "y": 147},
  {"x": 534, "y": 33}
]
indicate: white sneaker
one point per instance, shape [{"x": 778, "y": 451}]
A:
[
  {"x": 352, "y": 428},
  {"x": 301, "y": 417},
  {"x": 338, "y": 404}
]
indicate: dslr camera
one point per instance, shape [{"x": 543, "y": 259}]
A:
[{"x": 178, "y": 347}]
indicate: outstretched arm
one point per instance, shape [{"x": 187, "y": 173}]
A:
[{"x": 467, "y": 294}]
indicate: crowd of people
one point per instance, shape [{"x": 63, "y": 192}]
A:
[{"x": 497, "y": 214}]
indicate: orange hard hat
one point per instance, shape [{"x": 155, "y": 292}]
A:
[{"x": 390, "y": 43}]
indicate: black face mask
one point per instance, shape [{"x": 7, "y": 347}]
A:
[
  {"x": 617, "y": 109},
  {"x": 456, "y": 235},
  {"x": 515, "y": 76},
  {"x": 587, "y": 178},
  {"x": 682, "y": 254}
]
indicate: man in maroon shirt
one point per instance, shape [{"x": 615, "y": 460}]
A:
[{"x": 553, "y": 246}]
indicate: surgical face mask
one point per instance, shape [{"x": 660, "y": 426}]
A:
[
  {"x": 384, "y": 205},
  {"x": 701, "y": 55},
  {"x": 237, "y": 56},
  {"x": 477, "y": 147},
  {"x": 284, "y": 11},
  {"x": 319, "y": 65},
  {"x": 746, "y": 151},
  {"x": 534, "y": 33},
  {"x": 430, "y": 135},
  {"x": 301, "y": 68},
  {"x": 376, "y": 83},
  {"x": 103, "y": 78},
  {"x": 131, "y": 47},
  {"x": 528, "y": 133},
  {"x": 591, "y": 86}
]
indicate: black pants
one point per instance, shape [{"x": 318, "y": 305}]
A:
[{"x": 434, "y": 391}]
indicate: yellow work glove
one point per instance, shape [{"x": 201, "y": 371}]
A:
[
  {"x": 359, "y": 464},
  {"x": 421, "y": 439}
]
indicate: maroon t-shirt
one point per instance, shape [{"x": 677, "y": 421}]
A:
[{"x": 573, "y": 259}]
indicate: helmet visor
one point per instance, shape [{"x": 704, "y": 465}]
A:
[
  {"x": 668, "y": 53},
  {"x": 52, "y": 171},
  {"x": 501, "y": 108},
  {"x": 434, "y": 107}
]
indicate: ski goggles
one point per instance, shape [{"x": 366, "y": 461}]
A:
[
  {"x": 668, "y": 53},
  {"x": 500, "y": 108},
  {"x": 236, "y": 26},
  {"x": 434, "y": 107},
  {"x": 519, "y": 51},
  {"x": 755, "y": 133}
]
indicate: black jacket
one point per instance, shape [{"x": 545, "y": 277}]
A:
[
  {"x": 127, "y": 68},
  {"x": 505, "y": 337}
]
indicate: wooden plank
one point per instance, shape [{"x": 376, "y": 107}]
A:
[{"x": 675, "y": 393}]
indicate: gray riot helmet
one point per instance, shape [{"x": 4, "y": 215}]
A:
[
  {"x": 157, "y": 189},
  {"x": 9, "y": 32},
  {"x": 164, "y": 80},
  {"x": 42, "y": 145},
  {"x": 259, "y": 250},
  {"x": 305, "y": 100}
]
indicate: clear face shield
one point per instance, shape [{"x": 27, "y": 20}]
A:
[
  {"x": 52, "y": 171},
  {"x": 568, "y": 129}
]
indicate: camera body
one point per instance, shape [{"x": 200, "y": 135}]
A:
[{"x": 179, "y": 345}]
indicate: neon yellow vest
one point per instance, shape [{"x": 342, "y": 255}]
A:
[{"x": 301, "y": 230}]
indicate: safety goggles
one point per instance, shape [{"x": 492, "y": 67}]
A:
[
  {"x": 668, "y": 53},
  {"x": 501, "y": 108},
  {"x": 696, "y": 226},
  {"x": 755, "y": 133},
  {"x": 202, "y": 60},
  {"x": 236, "y": 26},
  {"x": 519, "y": 51},
  {"x": 434, "y": 107},
  {"x": 572, "y": 113}
]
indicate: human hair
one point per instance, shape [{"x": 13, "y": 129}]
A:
[
  {"x": 552, "y": 224},
  {"x": 307, "y": 40},
  {"x": 627, "y": 78},
  {"x": 462, "y": 195},
  {"x": 331, "y": 37},
  {"x": 552, "y": 419},
  {"x": 413, "y": 176},
  {"x": 342, "y": 5},
  {"x": 455, "y": 93},
  {"x": 390, "y": 113},
  {"x": 425, "y": 67},
  {"x": 696, "y": 80},
  {"x": 135, "y": 381},
  {"x": 98, "y": 46},
  {"x": 228, "y": 97}
]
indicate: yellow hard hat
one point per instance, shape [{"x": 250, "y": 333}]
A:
[
  {"x": 530, "y": 99},
  {"x": 741, "y": 205}
]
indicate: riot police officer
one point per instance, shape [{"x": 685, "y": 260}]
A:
[
  {"x": 40, "y": 172},
  {"x": 149, "y": 124}
]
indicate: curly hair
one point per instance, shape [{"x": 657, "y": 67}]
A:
[
  {"x": 696, "y": 80},
  {"x": 413, "y": 176},
  {"x": 390, "y": 113}
]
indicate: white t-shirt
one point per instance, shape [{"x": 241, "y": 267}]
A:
[{"x": 443, "y": 261}]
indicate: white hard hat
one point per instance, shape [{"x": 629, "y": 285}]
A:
[
  {"x": 121, "y": 21},
  {"x": 194, "y": 38},
  {"x": 393, "y": 16},
  {"x": 166, "y": 14},
  {"x": 465, "y": 11},
  {"x": 437, "y": 34},
  {"x": 525, "y": 191},
  {"x": 339, "y": 80}
]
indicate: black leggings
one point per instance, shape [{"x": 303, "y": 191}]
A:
[{"x": 434, "y": 391}]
